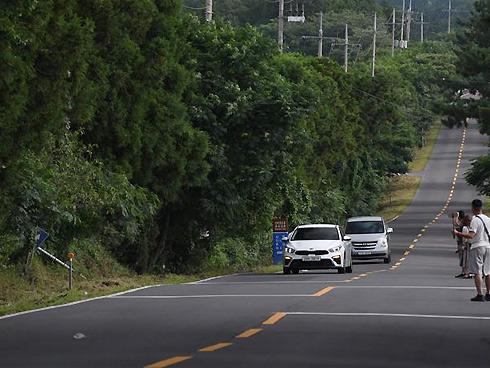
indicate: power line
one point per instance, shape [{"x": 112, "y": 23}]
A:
[{"x": 411, "y": 111}]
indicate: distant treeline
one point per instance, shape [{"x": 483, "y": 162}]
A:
[{"x": 134, "y": 128}]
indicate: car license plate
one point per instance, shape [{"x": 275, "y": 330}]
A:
[
  {"x": 363, "y": 253},
  {"x": 312, "y": 259}
]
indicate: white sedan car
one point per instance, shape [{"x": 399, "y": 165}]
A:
[{"x": 314, "y": 247}]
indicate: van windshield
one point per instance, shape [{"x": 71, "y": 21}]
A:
[
  {"x": 316, "y": 233},
  {"x": 365, "y": 227}
]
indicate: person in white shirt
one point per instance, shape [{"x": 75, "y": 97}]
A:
[{"x": 480, "y": 249}]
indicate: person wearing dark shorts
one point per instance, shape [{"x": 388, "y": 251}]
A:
[{"x": 479, "y": 262}]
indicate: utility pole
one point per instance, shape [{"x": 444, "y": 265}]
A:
[
  {"x": 374, "y": 44},
  {"x": 409, "y": 20},
  {"x": 422, "y": 28},
  {"x": 393, "y": 25},
  {"x": 450, "y": 9},
  {"x": 280, "y": 33},
  {"x": 402, "y": 24},
  {"x": 320, "y": 37},
  {"x": 346, "y": 49},
  {"x": 209, "y": 10}
]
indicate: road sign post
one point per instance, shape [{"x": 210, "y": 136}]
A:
[
  {"x": 70, "y": 270},
  {"x": 279, "y": 231}
]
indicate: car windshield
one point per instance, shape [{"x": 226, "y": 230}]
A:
[
  {"x": 365, "y": 227},
  {"x": 316, "y": 233}
]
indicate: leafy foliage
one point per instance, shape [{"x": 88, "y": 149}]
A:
[
  {"x": 73, "y": 197},
  {"x": 167, "y": 141},
  {"x": 474, "y": 66}
]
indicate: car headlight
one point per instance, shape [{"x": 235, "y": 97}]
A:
[
  {"x": 335, "y": 249},
  {"x": 289, "y": 250},
  {"x": 383, "y": 243}
]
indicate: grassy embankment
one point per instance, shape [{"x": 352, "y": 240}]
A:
[
  {"x": 47, "y": 284},
  {"x": 402, "y": 189}
]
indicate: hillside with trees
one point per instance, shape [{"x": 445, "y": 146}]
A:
[{"x": 139, "y": 136}]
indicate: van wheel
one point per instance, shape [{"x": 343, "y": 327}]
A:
[
  {"x": 348, "y": 269},
  {"x": 295, "y": 271},
  {"x": 286, "y": 271},
  {"x": 387, "y": 259},
  {"x": 341, "y": 270}
]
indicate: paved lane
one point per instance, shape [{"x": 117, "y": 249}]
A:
[{"x": 414, "y": 314}]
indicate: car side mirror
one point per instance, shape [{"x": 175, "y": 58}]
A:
[
  {"x": 347, "y": 238},
  {"x": 389, "y": 230},
  {"x": 285, "y": 239}
]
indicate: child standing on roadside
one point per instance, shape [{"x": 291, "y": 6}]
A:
[
  {"x": 458, "y": 218},
  {"x": 466, "y": 247}
]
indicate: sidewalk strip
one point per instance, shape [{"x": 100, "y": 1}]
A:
[
  {"x": 249, "y": 333},
  {"x": 211, "y": 348},
  {"x": 274, "y": 318},
  {"x": 169, "y": 362}
]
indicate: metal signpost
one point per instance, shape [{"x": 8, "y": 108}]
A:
[
  {"x": 279, "y": 231},
  {"x": 41, "y": 238},
  {"x": 70, "y": 270}
]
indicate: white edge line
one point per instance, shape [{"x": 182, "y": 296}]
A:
[
  {"x": 209, "y": 279},
  {"x": 210, "y": 296},
  {"x": 405, "y": 287},
  {"x": 76, "y": 302},
  {"x": 387, "y": 315},
  {"x": 269, "y": 282}
]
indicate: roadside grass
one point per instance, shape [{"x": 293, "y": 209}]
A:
[
  {"x": 401, "y": 191},
  {"x": 49, "y": 285},
  {"x": 423, "y": 155}
]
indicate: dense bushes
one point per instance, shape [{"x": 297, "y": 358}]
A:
[
  {"x": 172, "y": 142},
  {"x": 63, "y": 190}
]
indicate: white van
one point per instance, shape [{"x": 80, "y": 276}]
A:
[{"x": 370, "y": 238}]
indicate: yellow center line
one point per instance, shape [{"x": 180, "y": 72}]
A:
[
  {"x": 274, "y": 318},
  {"x": 324, "y": 291},
  {"x": 406, "y": 253},
  {"x": 249, "y": 333},
  {"x": 169, "y": 362},
  {"x": 211, "y": 348},
  {"x": 363, "y": 275}
]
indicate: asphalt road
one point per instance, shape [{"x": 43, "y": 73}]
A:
[{"x": 412, "y": 313}]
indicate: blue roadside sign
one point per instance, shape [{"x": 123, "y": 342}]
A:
[
  {"x": 278, "y": 247},
  {"x": 280, "y": 230},
  {"x": 41, "y": 237}
]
